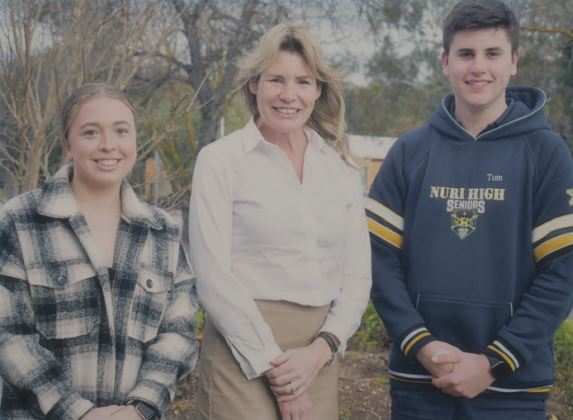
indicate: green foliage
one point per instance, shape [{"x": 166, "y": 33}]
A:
[
  {"x": 199, "y": 318},
  {"x": 381, "y": 109},
  {"x": 372, "y": 335},
  {"x": 406, "y": 83},
  {"x": 564, "y": 361},
  {"x": 236, "y": 113}
]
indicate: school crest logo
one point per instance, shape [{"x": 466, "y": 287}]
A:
[
  {"x": 570, "y": 193},
  {"x": 464, "y": 223},
  {"x": 466, "y": 204}
]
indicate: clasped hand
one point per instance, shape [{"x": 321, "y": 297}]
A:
[
  {"x": 291, "y": 375},
  {"x": 455, "y": 372},
  {"x": 295, "y": 369}
]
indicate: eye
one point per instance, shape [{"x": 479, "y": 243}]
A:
[
  {"x": 304, "y": 82},
  {"x": 121, "y": 131},
  {"x": 89, "y": 132},
  {"x": 466, "y": 54},
  {"x": 276, "y": 80}
]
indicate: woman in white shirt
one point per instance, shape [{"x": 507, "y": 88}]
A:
[{"x": 279, "y": 241}]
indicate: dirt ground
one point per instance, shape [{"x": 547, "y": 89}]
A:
[{"x": 363, "y": 392}]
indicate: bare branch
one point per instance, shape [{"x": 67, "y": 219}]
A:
[{"x": 562, "y": 31}]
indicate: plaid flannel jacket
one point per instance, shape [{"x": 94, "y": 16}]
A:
[{"x": 70, "y": 338}]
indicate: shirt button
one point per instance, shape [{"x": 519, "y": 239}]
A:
[
  {"x": 61, "y": 280},
  {"x": 149, "y": 283}
]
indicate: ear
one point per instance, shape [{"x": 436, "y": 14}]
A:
[
  {"x": 253, "y": 86},
  {"x": 445, "y": 62},
  {"x": 514, "y": 59}
]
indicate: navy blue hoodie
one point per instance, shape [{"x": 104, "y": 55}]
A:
[{"x": 472, "y": 241}]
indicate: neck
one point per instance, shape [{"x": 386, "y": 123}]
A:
[
  {"x": 290, "y": 142},
  {"x": 476, "y": 120},
  {"x": 97, "y": 203}
]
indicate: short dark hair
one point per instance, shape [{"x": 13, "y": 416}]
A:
[{"x": 470, "y": 15}]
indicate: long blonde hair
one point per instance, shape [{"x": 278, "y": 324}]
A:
[{"x": 328, "y": 115}]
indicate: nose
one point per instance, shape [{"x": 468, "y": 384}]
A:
[
  {"x": 107, "y": 140},
  {"x": 478, "y": 64},
  {"x": 287, "y": 92}
]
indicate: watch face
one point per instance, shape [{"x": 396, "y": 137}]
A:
[{"x": 145, "y": 411}]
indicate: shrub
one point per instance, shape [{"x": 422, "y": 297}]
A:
[
  {"x": 372, "y": 335},
  {"x": 564, "y": 361}
]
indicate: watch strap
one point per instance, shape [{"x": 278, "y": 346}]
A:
[
  {"x": 331, "y": 343},
  {"x": 145, "y": 410}
]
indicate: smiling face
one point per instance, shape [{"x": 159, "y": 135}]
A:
[
  {"x": 102, "y": 143},
  {"x": 479, "y": 66},
  {"x": 286, "y": 93}
]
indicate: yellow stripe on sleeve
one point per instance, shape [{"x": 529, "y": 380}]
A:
[
  {"x": 504, "y": 356},
  {"x": 540, "y": 389},
  {"x": 385, "y": 213},
  {"x": 415, "y": 340},
  {"x": 386, "y": 234},
  {"x": 552, "y": 245}
]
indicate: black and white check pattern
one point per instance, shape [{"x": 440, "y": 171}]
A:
[{"x": 72, "y": 336}]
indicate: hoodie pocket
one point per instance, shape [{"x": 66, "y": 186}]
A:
[{"x": 468, "y": 324}]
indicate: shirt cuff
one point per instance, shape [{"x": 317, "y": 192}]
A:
[
  {"x": 152, "y": 393},
  {"x": 414, "y": 340},
  {"x": 257, "y": 365},
  {"x": 501, "y": 350}
]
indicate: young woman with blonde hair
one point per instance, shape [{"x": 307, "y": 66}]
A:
[{"x": 96, "y": 296}]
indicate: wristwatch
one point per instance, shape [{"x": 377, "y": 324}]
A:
[
  {"x": 332, "y": 344},
  {"x": 146, "y": 411},
  {"x": 497, "y": 367}
]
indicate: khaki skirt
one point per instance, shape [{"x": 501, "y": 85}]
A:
[{"x": 224, "y": 393}]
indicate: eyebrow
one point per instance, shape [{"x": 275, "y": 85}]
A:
[
  {"x": 306, "y": 76},
  {"x": 472, "y": 50},
  {"x": 98, "y": 124}
]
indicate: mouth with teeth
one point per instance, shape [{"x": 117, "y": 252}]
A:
[
  {"x": 286, "y": 111},
  {"x": 477, "y": 83},
  {"x": 107, "y": 163}
]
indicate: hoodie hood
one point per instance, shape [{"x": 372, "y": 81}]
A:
[{"x": 525, "y": 116}]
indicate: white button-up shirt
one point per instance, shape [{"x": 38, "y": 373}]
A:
[{"x": 257, "y": 232}]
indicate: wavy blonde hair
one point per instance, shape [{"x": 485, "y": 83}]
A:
[{"x": 328, "y": 115}]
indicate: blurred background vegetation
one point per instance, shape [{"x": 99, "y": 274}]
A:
[{"x": 177, "y": 60}]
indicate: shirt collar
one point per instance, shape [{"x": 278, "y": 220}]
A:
[
  {"x": 253, "y": 137},
  {"x": 59, "y": 202}
]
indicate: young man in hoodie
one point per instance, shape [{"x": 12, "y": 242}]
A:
[{"x": 471, "y": 221}]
